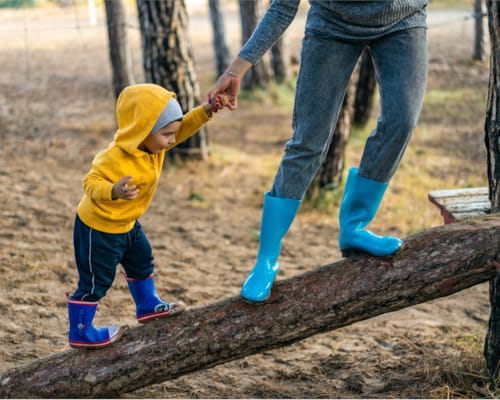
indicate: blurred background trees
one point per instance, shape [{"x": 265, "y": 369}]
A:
[
  {"x": 222, "y": 48},
  {"x": 168, "y": 61},
  {"x": 119, "y": 48}
]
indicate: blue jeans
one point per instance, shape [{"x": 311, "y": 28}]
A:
[
  {"x": 326, "y": 65},
  {"x": 97, "y": 255}
]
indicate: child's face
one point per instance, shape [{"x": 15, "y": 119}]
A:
[{"x": 165, "y": 137}]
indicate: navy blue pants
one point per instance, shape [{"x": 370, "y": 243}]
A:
[{"x": 97, "y": 255}]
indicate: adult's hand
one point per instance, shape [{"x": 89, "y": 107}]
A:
[{"x": 229, "y": 82}]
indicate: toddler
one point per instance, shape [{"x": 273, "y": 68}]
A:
[{"x": 117, "y": 191}]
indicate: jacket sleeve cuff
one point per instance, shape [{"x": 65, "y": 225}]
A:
[
  {"x": 101, "y": 191},
  {"x": 192, "y": 122}
]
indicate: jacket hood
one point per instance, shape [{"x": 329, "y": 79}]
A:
[{"x": 137, "y": 109}]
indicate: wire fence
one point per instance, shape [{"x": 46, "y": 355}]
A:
[{"x": 30, "y": 41}]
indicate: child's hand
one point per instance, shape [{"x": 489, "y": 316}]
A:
[
  {"x": 221, "y": 101},
  {"x": 218, "y": 102},
  {"x": 122, "y": 189},
  {"x": 229, "y": 84}
]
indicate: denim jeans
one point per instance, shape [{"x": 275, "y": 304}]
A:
[{"x": 326, "y": 65}]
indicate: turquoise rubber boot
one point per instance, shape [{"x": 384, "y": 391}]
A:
[
  {"x": 359, "y": 205},
  {"x": 82, "y": 333},
  {"x": 277, "y": 216},
  {"x": 148, "y": 305}
]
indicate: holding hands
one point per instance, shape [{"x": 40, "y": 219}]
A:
[
  {"x": 223, "y": 95},
  {"x": 215, "y": 104},
  {"x": 218, "y": 102},
  {"x": 229, "y": 82}
]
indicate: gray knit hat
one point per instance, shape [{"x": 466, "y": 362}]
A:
[{"x": 172, "y": 112}]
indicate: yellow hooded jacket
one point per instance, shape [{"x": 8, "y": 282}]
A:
[{"x": 138, "y": 108}]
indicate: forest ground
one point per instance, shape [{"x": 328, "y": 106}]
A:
[{"x": 57, "y": 111}]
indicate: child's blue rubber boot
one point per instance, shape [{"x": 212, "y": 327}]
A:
[
  {"x": 359, "y": 205},
  {"x": 82, "y": 333},
  {"x": 277, "y": 216},
  {"x": 148, "y": 305}
]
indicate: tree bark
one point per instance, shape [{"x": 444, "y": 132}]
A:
[
  {"x": 492, "y": 124},
  {"x": 250, "y": 14},
  {"x": 280, "y": 61},
  {"x": 492, "y": 141},
  {"x": 365, "y": 89},
  {"x": 220, "y": 39},
  {"x": 168, "y": 62},
  {"x": 119, "y": 49},
  {"x": 478, "y": 52},
  {"x": 432, "y": 264}
]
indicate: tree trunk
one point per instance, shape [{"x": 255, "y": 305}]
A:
[
  {"x": 492, "y": 141},
  {"x": 478, "y": 53},
  {"x": 365, "y": 89},
  {"x": 220, "y": 40},
  {"x": 119, "y": 50},
  {"x": 432, "y": 264},
  {"x": 168, "y": 61},
  {"x": 280, "y": 61},
  {"x": 250, "y": 14}
]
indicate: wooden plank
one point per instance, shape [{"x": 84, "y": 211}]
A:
[
  {"x": 456, "y": 204},
  {"x": 463, "y": 215},
  {"x": 482, "y": 190},
  {"x": 449, "y": 196},
  {"x": 480, "y": 207}
]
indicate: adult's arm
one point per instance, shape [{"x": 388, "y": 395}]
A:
[{"x": 271, "y": 27}]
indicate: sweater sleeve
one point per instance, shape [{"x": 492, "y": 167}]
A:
[
  {"x": 104, "y": 172},
  {"x": 97, "y": 187},
  {"x": 271, "y": 27},
  {"x": 192, "y": 122}
]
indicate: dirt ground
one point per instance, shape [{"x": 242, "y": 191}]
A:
[{"x": 57, "y": 111}]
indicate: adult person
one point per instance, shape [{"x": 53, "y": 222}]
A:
[{"x": 335, "y": 34}]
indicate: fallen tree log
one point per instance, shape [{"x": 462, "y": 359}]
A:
[{"x": 432, "y": 264}]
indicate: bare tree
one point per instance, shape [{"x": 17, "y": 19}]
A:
[
  {"x": 280, "y": 62},
  {"x": 492, "y": 141},
  {"x": 220, "y": 38},
  {"x": 250, "y": 14},
  {"x": 168, "y": 61},
  {"x": 365, "y": 89},
  {"x": 119, "y": 49},
  {"x": 478, "y": 53}
]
